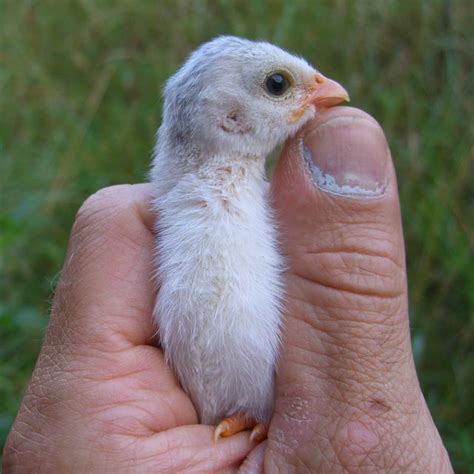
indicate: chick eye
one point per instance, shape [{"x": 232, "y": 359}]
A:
[{"x": 277, "y": 84}]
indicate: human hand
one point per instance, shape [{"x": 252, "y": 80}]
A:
[
  {"x": 348, "y": 400},
  {"x": 101, "y": 398}
]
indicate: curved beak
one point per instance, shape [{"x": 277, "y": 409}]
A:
[
  {"x": 327, "y": 92},
  {"x": 324, "y": 93}
]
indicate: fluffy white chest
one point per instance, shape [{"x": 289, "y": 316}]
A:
[{"x": 218, "y": 307}]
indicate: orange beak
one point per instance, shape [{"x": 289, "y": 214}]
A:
[
  {"x": 324, "y": 93},
  {"x": 327, "y": 92}
]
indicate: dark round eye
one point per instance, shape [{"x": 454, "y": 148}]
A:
[{"x": 277, "y": 84}]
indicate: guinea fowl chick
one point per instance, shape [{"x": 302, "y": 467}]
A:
[{"x": 219, "y": 269}]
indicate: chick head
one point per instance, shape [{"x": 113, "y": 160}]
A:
[{"x": 238, "y": 97}]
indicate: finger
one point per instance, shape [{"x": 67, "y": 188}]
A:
[
  {"x": 192, "y": 449},
  {"x": 106, "y": 290},
  {"x": 336, "y": 195},
  {"x": 253, "y": 464},
  {"x": 347, "y": 353},
  {"x": 99, "y": 342}
]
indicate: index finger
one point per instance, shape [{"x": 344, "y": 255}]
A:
[{"x": 106, "y": 291}]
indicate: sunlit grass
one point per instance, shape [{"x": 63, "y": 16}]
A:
[{"x": 80, "y": 102}]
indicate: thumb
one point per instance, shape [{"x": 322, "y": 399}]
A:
[
  {"x": 336, "y": 197},
  {"x": 346, "y": 373}
]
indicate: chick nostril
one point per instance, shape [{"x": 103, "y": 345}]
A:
[{"x": 319, "y": 78}]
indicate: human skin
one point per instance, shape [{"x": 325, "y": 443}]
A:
[{"x": 102, "y": 399}]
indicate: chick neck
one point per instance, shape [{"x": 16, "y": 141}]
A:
[{"x": 239, "y": 170}]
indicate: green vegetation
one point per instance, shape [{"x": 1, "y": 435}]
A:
[{"x": 80, "y": 88}]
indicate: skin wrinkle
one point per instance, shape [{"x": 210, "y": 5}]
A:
[
  {"x": 151, "y": 423},
  {"x": 177, "y": 443},
  {"x": 358, "y": 361},
  {"x": 94, "y": 247},
  {"x": 317, "y": 440},
  {"x": 355, "y": 393},
  {"x": 343, "y": 442},
  {"x": 396, "y": 457},
  {"x": 354, "y": 388},
  {"x": 28, "y": 437},
  {"x": 327, "y": 313},
  {"x": 351, "y": 405},
  {"x": 348, "y": 261},
  {"x": 344, "y": 212},
  {"x": 351, "y": 246},
  {"x": 345, "y": 447},
  {"x": 121, "y": 334},
  {"x": 358, "y": 264},
  {"x": 88, "y": 364},
  {"x": 350, "y": 290},
  {"x": 383, "y": 314},
  {"x": 89, "y": 248},
  {"x": 144, "y": 424},
  {"x": 44, "y": 404},
  {"x": 386, "y": 428},
  {"x": 94, "y": 213},
  {"x": 324, "y": 315},
  {"x": 62, "y": 405},
  {"x": 99, "y": 309},
  {"x": 95, "y": 378},
  {"x": 340, "y": 330},
  {"x": 366, "y": 362},
  {"x": 359, "y": 225},
  {"x": 68, "y": 298},
  {"x": 326, "y": 344},
  {"x": 360, "y": 217},
  {"x": 368, "y": 373},
  {"x": 80, "y": 335},
  {"x": 353, "y": 241},
  {"x": 99, "y": 344}
]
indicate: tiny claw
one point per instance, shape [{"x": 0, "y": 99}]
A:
[
  {"x": 220, "y": 428},
  {"x": 232, "y": 425},
  {"x": 259, "y": 433},
  {"x": 228, "y": 427}
]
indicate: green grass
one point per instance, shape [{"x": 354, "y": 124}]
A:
[{"x": 80, "y": 102}]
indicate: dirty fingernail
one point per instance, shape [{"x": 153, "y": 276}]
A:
[{"x": 348, "y": 156}]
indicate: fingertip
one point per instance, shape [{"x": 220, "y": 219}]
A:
[
  {"x": 347, "y": 154},
  {"x": 337, "y": 170},
  {"x": 342, "y": 151}
]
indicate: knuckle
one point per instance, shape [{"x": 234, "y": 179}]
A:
[
  {"x": 100, "y": 221},
  {"x": 104, "y": 214},
  {"x": 102, "y": 203},
  {"x": 358, "y": 264},
  {"x": 361, "y": 272},
  {"x": 354, "y": 292}
]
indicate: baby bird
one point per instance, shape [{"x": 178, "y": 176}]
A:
[{"x": 219, "y": 269}]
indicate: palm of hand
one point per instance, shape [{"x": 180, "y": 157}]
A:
[{"x": 125, "y": 402}]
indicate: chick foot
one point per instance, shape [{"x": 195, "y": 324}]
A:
[{"x": 237, "y": 423}]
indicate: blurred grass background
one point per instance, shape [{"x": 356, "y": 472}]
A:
[{"x": 80, "y": 85}]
